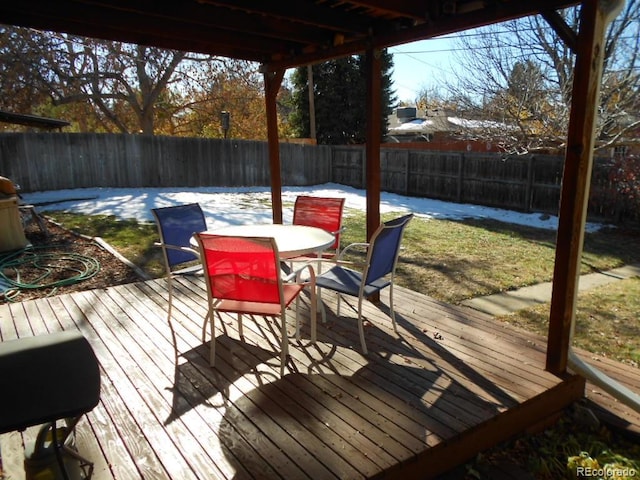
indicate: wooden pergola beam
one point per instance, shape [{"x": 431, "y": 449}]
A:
[
  {"x": 272, "y": 82},
  {"x": 576, "y": 178},
  {"x": 374, "y": 138}
]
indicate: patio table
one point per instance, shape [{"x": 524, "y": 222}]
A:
[{"x": 292, "y": 240}]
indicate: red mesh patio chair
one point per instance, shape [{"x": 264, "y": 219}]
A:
[
  {"x": 176, "y": 225},
  {"x": 375, "y": 274},
  {"x": 243, "y": 276},
  {"x": 325, "y": 213}
]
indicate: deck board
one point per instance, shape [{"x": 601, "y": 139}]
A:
[{"x": 450, "y": 382}]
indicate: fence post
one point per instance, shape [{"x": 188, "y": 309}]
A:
[
  {"x": 406, "y": 172},
  {"x": 529, "y": 188},
  {"x": 363, "y": 168},
  {"x": 460, "y": 177}
]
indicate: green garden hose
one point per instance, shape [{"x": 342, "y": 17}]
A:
[{"x": 46, "y": 268}]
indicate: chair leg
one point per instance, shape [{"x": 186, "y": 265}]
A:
[
  {"x": 393, "y": 311},
  {"x": 170, "y": 322},
  {"x": 240, "y": 330},
  {"x": 284, "y": 345},
  {"x": 212, "y": 345},
  {"x": 62, "y": 449},
  {"x": 320, "y": 305},
  {"x": 298, "y": 318},
  {"x": 173, "y": 337},
  {"x": 313, "y": 313},
  {"x": 361, "y": 327},
  {"x": 205, "y": 323}
]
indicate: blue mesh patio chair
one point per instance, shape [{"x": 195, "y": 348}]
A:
[
  {"x": 176, "y": 225},
  {"x": 378, "y": 271}
]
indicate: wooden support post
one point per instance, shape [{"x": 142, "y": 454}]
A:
[
  {"x": 576, "y": 178},
  {"x": 374, "y": 136},
  {"x": 312, "y": 102},
  {"x": 272, "y": 82}
]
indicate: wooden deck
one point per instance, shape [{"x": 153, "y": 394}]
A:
[{"x": 452, "y": 384}]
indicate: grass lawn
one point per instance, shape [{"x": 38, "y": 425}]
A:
[{"x": 607, "y": 321}]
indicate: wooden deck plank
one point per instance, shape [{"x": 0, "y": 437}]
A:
[
  {"x": 459, "y": 354},
  {"x": 311, "y": 409},
  {"x": 450, "y": 382},
  {"x": 272, "y": 405},
  {"x": 485, "y": 337},
  {"x": 83, "y": 434},
  {"x": 114, "y": 459},
  {"x": 124, "y": 388},
  {"x": 201, "y": 428},
  {"x": 147, "y": 367},
  {"x": 42, "y": 320},
  {"x": 360, "y": 447}
]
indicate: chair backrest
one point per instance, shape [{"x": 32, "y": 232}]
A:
[
  {"x": 385, "y": 248},
  {"x": 176, "y": 226},
  {"x": 321, "y": 212},
  {"x": 241, "y": 268}
]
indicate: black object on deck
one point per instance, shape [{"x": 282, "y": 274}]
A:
[{"x": 48, "y": 378}]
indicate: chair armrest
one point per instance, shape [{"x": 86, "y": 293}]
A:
[
  {"x": 168, "y": 246},
  {"x": 296, "y": 275},
  {"x": 346, "y": 263},
  {"x": 353, "y": 246}
]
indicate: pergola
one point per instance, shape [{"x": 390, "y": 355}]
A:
[{"x": 291, "y": 33}]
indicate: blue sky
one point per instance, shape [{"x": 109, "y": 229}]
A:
[{"x": 422, "y": 64}]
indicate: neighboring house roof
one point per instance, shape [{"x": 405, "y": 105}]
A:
[
  {"x": 467, "y": 124},
  {"x": 440, "y": 122},
  {"x": 415, "y": 126}
]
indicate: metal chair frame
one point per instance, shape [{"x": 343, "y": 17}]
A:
[
  {"x": 176, "y": 226},
  {"x": 242, "y": 275},
  {"x": 378, "y": 271},
  {"x": 321, "y": 212}
]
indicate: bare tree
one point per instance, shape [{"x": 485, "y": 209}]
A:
[
  {"x": 19, "y": 77},
  {"x": 521, "y": 72},
  {"x": 238, "y": 90},
  {"x": 123, "y": 87}
]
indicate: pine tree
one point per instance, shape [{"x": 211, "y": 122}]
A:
[{"x": 340, "y": 99}]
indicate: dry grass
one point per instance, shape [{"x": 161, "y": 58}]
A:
[
  {"x": 456, "y": 260},
  {"x": 607, "y": 321}
]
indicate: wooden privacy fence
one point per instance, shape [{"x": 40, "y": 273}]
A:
[
  {"x": 519, "y": 183},
  {"x": 528, "y": 183},
  {"x": 55, "y": 161}
]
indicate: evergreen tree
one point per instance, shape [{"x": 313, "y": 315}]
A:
[{"x": 339, "y": 88}]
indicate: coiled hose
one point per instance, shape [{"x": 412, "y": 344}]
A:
[{"x": 47, "y": 269}]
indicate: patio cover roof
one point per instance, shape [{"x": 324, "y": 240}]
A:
[
  {"x": 288, "y": 33},
  {"x": 285, "y": 33}
]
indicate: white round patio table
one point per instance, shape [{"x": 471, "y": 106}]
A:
[{"x": 292, "y": 240}]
